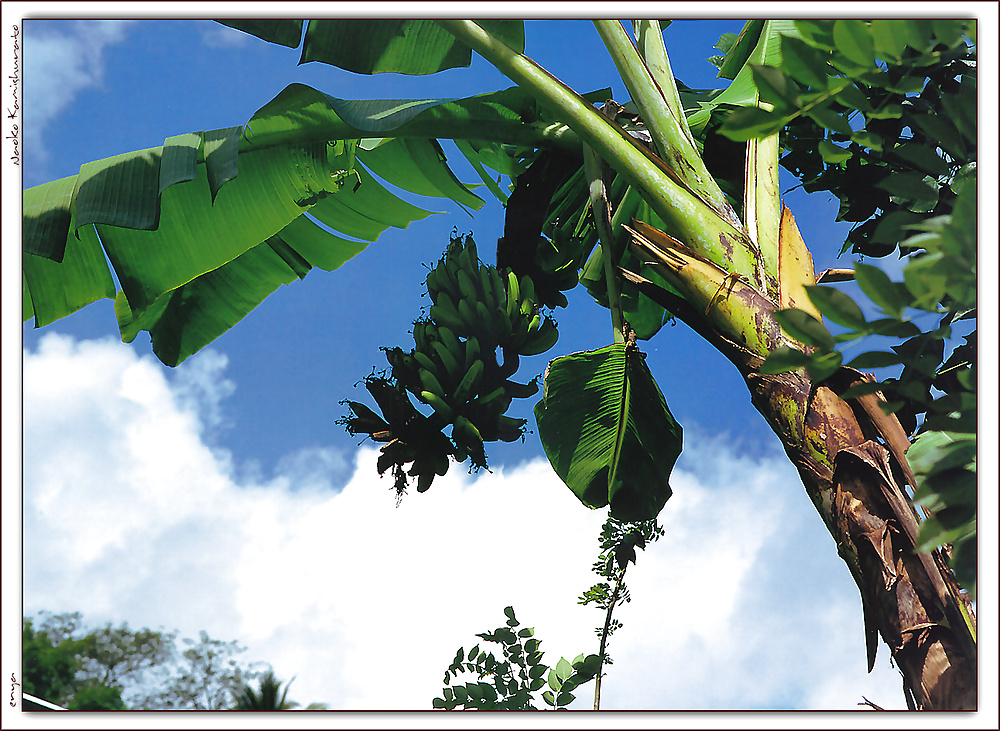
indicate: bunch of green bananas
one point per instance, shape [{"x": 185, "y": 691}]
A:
[{"x": 476, "y": 312}]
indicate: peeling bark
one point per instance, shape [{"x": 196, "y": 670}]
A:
[
  {"x": 851, "y": 457},
  {"x": 906, "y": 596}
]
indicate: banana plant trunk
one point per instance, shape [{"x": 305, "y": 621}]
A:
[
  {"x": 850, "y": 479},
  {"x": 851, "y": 458}
]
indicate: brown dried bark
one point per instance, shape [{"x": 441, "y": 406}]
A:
[{"x": 910, "y": 599}]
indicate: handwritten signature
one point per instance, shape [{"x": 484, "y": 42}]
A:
[
  {"x": 12, "y": 112},
  {"x": 13, "y": 685}
]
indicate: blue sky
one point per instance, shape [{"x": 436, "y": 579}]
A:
[{"x": 162, "y": 496}]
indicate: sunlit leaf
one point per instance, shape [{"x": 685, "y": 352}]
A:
[
  {"x": 415, "y": 46},
  {"x": 607, "y": 431},
  {"x": 804, "y": 327}
]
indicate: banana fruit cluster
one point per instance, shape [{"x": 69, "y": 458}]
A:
[{"x": 476, "y": 313}]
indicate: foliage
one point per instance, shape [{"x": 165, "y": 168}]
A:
[
  {"x": 516, "y": 678},
  {"x": 267, "y": 698},
  {"x": 207, "y": 677},
  {"x": 114, "y": 668},
  {"x": 882, "y": 115},
  {"x": 522, "y": 673},
  {"x": 88, "y": 671}
]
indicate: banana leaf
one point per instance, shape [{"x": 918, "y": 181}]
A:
[
  {"x": 186, "y": 225},
  {"x": 378, "y": 45},
  {"x": 607, "y": 431}
]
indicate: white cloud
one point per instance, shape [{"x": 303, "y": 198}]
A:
[
  {"x": 60, "y": 60},
  {"x": 216, "y": 35},
  {"x": 130, "y": 516}
]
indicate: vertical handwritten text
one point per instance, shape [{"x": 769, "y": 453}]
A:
[{"x": 15, "y": 107}]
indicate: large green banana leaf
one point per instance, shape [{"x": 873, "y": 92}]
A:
[
  {"x": 376, "y": 45},
  {"x": 607, "y": 431},
  {"x": 201, "y": 229}
]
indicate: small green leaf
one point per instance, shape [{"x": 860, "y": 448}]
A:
[
  {"x": 836, "y": 305},
  {"x": 832, "y": 153},
  {"x": 563, "y": 668},
  {"x": 831, "y": 120},
  {"x": 804, "y": 63},
  {"x": 921, "y": 157},
  {"x": 805, "y": 328},
  {"x": 875, "y": 359},
  {"x": 854, "y": 41},
  {"x": 509, "y": 611},
  {"x": 880, "y": 289},
  {"x": 782, "y": 360},
  {"x": 554, "y": 681},
  {"x": 773, "y": 85},
  {"x": 889, "y": 37},
  {"x": 548, "y": 697},
  {"x": 861, "y": 389},
  {"x": 937, "y": 451},
  {"x": 751, "y": 122},
  {"x": 912, "y": 186},
  {"x": 823, "y": 365},
  {"x": 868, "y": 139},
  {"x": 887, "y": 111},
  {"x": 565, "y": 698}
]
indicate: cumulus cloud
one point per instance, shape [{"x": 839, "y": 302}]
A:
[
  {"x": 130, "y": 516},
  {"x": 216, "y": 35},
  {"x": 60, "y": 60}
]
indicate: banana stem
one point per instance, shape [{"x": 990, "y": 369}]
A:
[
  {"x": 700, "y": 225},
  {"x": 659, "y": 106},
  {"x": 602, "y": 221}
]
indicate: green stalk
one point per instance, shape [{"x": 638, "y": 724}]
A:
[
  {"x": 669, "y": 133},
  {"x": 698, "y": 223},
  {"x": 649, "y": 40},
  {"x": 599, "y": 207},
  {"x": 604, "y": 637}
]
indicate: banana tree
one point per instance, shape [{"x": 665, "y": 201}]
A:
[{"x": 204, "y": 227}]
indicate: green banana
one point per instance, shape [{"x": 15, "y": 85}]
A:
[
  {"x": 427, "y": 362},
  {"x": 535, "y": 323},
  {"x": 504, "y": 325},
  {"x": 486, "y": 321},
  {"x": 445, "y": 313},
  {"x": 540, "y": 340},
  {"x": 472, "y": 351},
  {"x": 467, "y": 436},
  {"x": 451, "y": 366},
  {"x": 365, "y": 420},
  {"x": 466, "y": 287},
  {"x": 468, "y": 316},
  {"x": 499, "y": 290},
  {"x": 486, "y": 288},
  {"x": 527, "y": 288},
  {"x": 448, "y": 338},
  {"x": 510, "y": 429},
  {"x": 513, "y": 294},
  {"x": 440, "y": 463},
  {"x": 493, "y": 398},
  {"x": 434, "y": 282},
  {"x": 465, "y": 260},
  {"x": 438, "y": 404},
  {"x": 430, "y": 382},
  {"x": 470, "y": 382},
  {"x": 424, "y": 481},
  {"x": 521, "y": 390}
]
